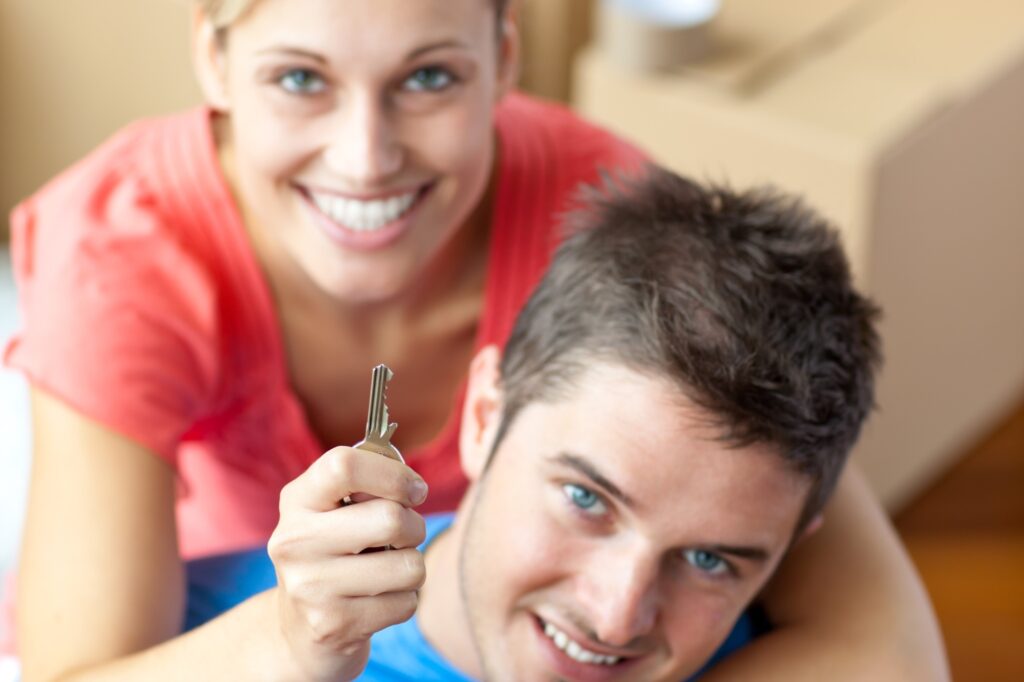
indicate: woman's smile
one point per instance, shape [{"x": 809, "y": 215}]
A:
[{"x": 368, "y": 222}]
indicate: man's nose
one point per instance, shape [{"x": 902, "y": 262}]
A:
[
  {"x": 621, "y": 597},
  {"x": 364, "y": 148}
]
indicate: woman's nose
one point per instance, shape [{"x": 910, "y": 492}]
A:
[
  {"x": 620, "y": 596},
  {"x": 364, "y": 148}
]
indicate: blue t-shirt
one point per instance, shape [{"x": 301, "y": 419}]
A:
[{"x": 399, "y": 653}]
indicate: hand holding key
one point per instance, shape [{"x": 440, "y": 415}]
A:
[{"x": 332, "y": 596}]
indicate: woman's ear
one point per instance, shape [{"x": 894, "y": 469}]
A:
[
  {"x": 508, "y": 50},
  {"x": 481, "y": 412},
  {"x": 208, "y": 60}
]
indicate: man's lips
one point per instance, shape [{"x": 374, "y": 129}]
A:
[
  {"x": 584, "y": 641},
  {"x": 575, "y": 657}
]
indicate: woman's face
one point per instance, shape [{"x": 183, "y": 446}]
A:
[{"x": 359, "y": 132}]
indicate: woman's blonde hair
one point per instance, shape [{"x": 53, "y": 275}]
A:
[{"x": 223, "y": 13}]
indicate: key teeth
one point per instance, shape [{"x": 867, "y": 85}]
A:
[
  {"x": 378, "y": 422},
  {"x": 386, "y": 370}
]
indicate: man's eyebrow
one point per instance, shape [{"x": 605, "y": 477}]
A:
[
  {"x": 588, "y": 469},
  {"x": 758, "y": 554}
]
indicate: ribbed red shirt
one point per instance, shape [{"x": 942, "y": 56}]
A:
[{"x": 145, "y": 308}]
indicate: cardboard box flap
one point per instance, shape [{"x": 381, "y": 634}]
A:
[
  {"x": 754, "y": 39},
  {"x": 911, "y": 63}
]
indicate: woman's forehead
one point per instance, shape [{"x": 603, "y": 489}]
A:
[
  {"x": 354, "y": 25},
  {"x": 223, "y": 13}
]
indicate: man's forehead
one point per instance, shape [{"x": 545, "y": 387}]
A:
[{"x": 643, "y": 436}]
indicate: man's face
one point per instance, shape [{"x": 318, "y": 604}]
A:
[{"x": 613, "y": 537}]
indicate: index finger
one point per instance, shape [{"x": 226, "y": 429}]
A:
[{"x": 344, "y": 471}]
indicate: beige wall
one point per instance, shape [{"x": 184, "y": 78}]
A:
[{"x": 73, "y": 71}]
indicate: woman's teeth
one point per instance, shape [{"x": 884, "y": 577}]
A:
[
  {"x": 574, "y": 650},
  {"x": 364, "y": 216}
]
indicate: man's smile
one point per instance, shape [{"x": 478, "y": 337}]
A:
[{"x": 572, "y": 657}]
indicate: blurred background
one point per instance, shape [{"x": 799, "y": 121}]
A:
[{"x": 902, "y": 120}]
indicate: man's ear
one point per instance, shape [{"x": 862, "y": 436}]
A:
[
  {"x": 810, "y": 529},
  {"x": 208, "y": 60},
  {"x": 508, "y": 50},
  {"x": 481, "y": 412}
]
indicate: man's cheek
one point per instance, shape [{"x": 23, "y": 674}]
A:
[
  {"x": 538, "y": 545},
  {"x": 697, "y": 624}
]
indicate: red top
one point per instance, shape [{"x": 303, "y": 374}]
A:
[{"x": 146, "y": 310}]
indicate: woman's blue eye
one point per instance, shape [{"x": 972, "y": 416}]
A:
[
  {"x": 429, "y": 79},
  {"x": 302, "y": 82},
  {"x": 709, "y": 562},
  {"x": 584, "y": 498}
]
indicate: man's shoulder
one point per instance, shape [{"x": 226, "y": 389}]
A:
[
  {"x": 401, "y": 653},
  {"x": 435, "y": 523}
]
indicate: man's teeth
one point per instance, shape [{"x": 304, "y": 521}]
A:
[
  {"x": 364, "y": 216},
  {"x": 574, "y": 650}
]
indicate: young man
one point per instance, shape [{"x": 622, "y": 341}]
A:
[{"x": 668, "y": 418}]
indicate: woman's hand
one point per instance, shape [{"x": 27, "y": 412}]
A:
[
  {"x": 333, "y": 594},
  {"x": 847, "y": 604}
]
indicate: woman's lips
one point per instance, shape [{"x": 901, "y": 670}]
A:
[{"x": 364, "y": 224}]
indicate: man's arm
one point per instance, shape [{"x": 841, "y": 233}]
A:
[{"x": 847, "y": 604}]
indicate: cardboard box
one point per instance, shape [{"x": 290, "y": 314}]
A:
[{"x": 903, "y": 121}]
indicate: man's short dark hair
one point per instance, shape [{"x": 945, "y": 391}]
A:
[{"x": 744, "y": 300}]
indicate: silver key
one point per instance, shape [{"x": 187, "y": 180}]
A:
[{"x": 378, "y": 430}]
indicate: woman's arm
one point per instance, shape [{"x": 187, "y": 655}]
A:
[
  {"x": 847, "y": 604},
  {"x": 99, "y": 573},
  {"x": 101, "y": 589}
]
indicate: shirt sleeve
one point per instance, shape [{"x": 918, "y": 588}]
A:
[{"x": 119, "y": 321}]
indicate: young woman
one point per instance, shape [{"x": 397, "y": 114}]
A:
[{"x": 205, "y": 294}]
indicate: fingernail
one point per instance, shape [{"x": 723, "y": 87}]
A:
[{"x": 417, "y": 491}]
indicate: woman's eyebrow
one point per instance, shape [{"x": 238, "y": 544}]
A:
[
  {"x": 294, "y": 52},
  {"x": 440, "y": 45},
  {"x": 588, "y": 469},
  {"x": 417, "y": 52}
]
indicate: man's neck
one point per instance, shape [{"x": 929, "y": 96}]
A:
[{"x": 441, "y": 613}]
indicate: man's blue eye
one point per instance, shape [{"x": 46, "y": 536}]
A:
[
  {"x": 584, "y": 498},
  {"x": 709, "y": 562},
  {"x": 429, "y": 79},
  {"x": 302, "y": 82}
]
